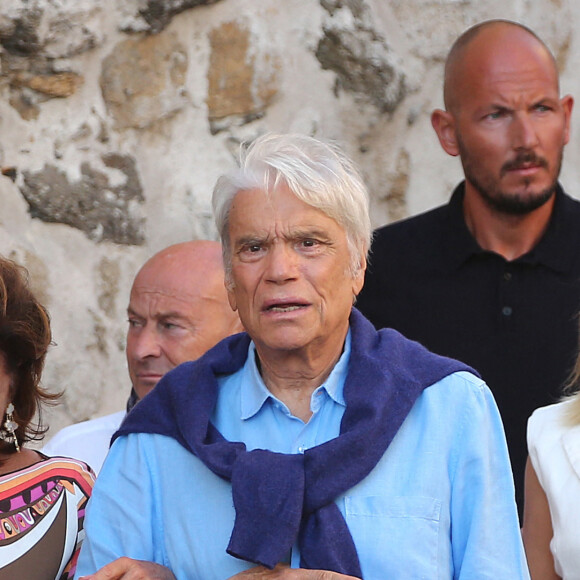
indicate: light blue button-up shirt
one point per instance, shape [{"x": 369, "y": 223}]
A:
[{"x": 439, "y": 505}]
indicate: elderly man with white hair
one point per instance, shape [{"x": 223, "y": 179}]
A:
[{"x": 311, "y": 446}]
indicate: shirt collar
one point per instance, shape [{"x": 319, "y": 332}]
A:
[
  {"x": 458, "y": 245},
  {"x": 254, "y": 392},
  {"x": 557, "y": 248}
]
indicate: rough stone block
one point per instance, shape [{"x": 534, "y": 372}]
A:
[
  {"x": 143, "y": 80},
  {"x": 94, "y": 206}
]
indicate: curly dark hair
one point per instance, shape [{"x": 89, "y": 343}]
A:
[{"x": 24, "y": 340}]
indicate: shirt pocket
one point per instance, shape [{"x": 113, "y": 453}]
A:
[{"x": 395, "y": 537}]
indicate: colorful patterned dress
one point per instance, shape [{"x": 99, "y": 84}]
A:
[{"x": 42, "y": 509}]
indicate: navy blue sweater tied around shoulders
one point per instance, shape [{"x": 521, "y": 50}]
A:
[{"x": 283, "y": 498}]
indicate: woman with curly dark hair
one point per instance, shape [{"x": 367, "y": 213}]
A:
[{"x": 42, "y": 500}]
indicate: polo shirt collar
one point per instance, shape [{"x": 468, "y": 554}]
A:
[
  {"x": 254, "y": 392},
  {"x": 557, "y": 248},
  {"x": 459, "y": 245}
]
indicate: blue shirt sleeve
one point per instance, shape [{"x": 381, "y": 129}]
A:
[
  {"x": 121, "y": 513},
  {"x": 485, "y": 533}
]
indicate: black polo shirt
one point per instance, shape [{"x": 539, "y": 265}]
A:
[{"x": 516, "y": 322}]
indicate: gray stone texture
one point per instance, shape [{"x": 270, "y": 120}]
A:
[
  {"x": 153, "y": 16},
  {"x": 360, "y": 56},
  {"x": 91, "y": 204},
  {"x": 117, "y": 116}
]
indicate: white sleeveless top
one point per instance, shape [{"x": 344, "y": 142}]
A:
[{"x": 554, "y": 449}]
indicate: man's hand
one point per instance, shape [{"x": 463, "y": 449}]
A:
[
  {"x": 128, "y": 569},
  {"x": 283, "y": 572}
]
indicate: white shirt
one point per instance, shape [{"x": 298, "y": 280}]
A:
[
  {"x": 554, "y": 449},
  {"x": 88, "y": 441}
]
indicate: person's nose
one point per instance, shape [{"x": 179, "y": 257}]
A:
[
  {"x": 524, "y": 132},
  {"x": 146, "y": 343},
  {"x": 282, "y": 263}
]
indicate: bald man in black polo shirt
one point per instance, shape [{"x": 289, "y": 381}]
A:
[{"x": 493, "y": 277}]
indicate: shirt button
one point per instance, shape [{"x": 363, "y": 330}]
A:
[
  {"x": 507, "y": 276},
  {"x": 506, "y": 311}
]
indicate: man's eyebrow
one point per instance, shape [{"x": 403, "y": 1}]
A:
[
  {"x": 171, "y": 314},
  {"x": 294, "y": 234},
  {"x": 250, "y": 239},
  {"x": 495, "y": 106},
  {"x": 160, "y": 315},
  {"x": 300, "y": 233},
  {"x": 545, "y": 100}
]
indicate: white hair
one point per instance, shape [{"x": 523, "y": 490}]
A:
[{"x": 317, "y": 173}]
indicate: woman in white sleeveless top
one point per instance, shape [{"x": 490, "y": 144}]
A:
[{"x": 551, "y": 529}]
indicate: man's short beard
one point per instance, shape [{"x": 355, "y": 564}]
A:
[{"x": 513, "y": 204}]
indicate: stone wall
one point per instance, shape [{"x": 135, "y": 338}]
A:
[{"x": 117, "y": 116}]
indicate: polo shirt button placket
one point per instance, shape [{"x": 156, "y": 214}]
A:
[{"x": 506, "y": 310}]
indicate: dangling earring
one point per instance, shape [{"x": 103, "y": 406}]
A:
[{"x": 7, "y": 433}]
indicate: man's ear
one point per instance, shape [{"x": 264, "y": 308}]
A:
[
  {"x": 229, "y": 285},
  {"x": 358, "y": 278},
  {"x": 567, "y": 104},
  {"x": 444, "y": 125}
]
